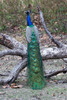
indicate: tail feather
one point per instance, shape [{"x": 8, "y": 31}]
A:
[{"x": 35, "y": 66}]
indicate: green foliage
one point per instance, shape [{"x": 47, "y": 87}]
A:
[
  {"x": 12, "y": 12},
  {"x": 3, "y": 27}
]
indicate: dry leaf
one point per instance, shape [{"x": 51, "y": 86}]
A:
[
  {"x": 5, "y": 86},
  {"x": 1, "y": 36},
  {"x": 63, "y": 33},
  {"x": 16, "y": 86},
  {"x": 53, "y": 94},
  {"x": 13, "y": 84},
  {"x": 55, "y": 80}
]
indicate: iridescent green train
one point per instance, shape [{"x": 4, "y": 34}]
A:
[{"x": 35, "y": 67}]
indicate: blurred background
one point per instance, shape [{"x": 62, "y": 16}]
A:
[{"x": 13, "y": 18}]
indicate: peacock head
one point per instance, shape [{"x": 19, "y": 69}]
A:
[
  {"x": 27, "y": 12},
  {"x": 29, "y": 23}
]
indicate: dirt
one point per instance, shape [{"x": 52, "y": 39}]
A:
[
  {"x": 50, "y": 92},
  {"x": 54, "y": 90}
]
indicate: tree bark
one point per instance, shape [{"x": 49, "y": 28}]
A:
[
  {"x": 53, "y": 73},
  {"x": 11, "y": 43},
  {"x": 19, "y": 49},
  {"x": 58, "y": 44},
  {"x": 14, "y": 73},
  {"x": 16, "y": 52},
  {"x": 47, "y": 53},
  {"x": 54, "y": 53}
]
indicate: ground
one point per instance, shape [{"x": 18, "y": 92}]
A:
[{"x": 54, "y": 90}]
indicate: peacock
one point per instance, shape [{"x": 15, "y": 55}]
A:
[{"x": 35, "y": 66}]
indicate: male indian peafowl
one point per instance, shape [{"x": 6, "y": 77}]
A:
[{"x": 35, "y": 67}]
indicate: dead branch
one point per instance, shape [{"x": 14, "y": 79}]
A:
[
  {"x": 11, "y": 43},
  {"x": 17, "y": 52},
  {"x": 56, "y": 72},
  {"x": 59, "y": 44},
  {"x": 47, "y": 53},
  {"x": 15, "y": 72},
  {"x": 65, "y": 60},
  {"x": 5, "y": 41},
  {"x": 20, "y": 50},
  {"x": 4, "y": 74},
  {"x": 62, "y": 81},
  {"x": 54, "y": 53}
]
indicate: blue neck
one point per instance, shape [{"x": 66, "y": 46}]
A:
[{"x": 29, "y": 23}]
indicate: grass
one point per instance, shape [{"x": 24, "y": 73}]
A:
[
  {"x": 53, "y": 92},
  {"x": 12, "y": 14}
]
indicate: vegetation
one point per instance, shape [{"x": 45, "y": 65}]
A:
[{"x": 12, "y": 14}]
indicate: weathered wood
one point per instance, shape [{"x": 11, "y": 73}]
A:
[
  {"x": 53, "y": 73},
  {"x": 58, "y": 44},
  {"x": 17, "y": 69},
  {"x": 11, "y": 43},
  {"x": 47, "y": 53},
  {"x": 54, "y": 53},
  {"x": 14, "y": 73},
  {"x": 16, "y": 52}
]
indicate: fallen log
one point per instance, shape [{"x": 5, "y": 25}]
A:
[
  {"x": 53, "y": 73},
  {"x": 47, "y": 53},
  {"x": 11, "y": 43},
  {"x": 14, "y": 73},
  {"x": 58, "y": 44}
]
